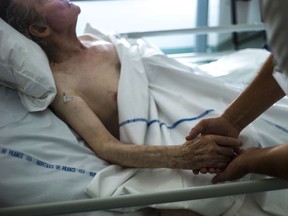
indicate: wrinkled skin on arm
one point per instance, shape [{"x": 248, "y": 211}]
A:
[{"x": 193, "y": 154}]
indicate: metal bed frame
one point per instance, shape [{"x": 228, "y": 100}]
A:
[
  {"x": 193, "y": 193},
  {"x": 199, "y": 55},
  {"x": 199, "y": 30}
]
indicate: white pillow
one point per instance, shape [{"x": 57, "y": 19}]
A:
[{"x": 25, "y": 67}]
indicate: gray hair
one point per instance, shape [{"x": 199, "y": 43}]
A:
[{"x": 20, "y": 16}]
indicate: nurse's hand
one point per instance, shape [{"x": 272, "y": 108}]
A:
[
  {"x": 237, "y": 168},
  {"x": 217, "y": 126}
]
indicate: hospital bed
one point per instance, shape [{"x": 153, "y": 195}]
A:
[
  {"x": 78, "y": 206},
  {"x": 45, "y": 166}
]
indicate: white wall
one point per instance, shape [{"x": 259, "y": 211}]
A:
[
  {"x": 141, "y": 15},
  {"x": 144, "y": 15},
  {"x": 138, "y": 15}
]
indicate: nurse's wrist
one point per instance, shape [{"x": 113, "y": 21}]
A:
[{"x": 235, "y": 120}]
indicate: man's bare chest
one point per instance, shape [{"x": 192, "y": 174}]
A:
[{"x": 94, "y": 76}]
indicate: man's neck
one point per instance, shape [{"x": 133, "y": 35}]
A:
[{"x": 61, "y": 49}]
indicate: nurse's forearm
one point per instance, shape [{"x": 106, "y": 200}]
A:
[
  {"x": 263, "y": 92},
  {"x": 269, "y": 161}
]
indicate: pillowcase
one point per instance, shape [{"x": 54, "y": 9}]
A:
[{"x": 24, "y": 66}]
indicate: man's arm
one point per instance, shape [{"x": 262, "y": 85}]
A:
[
  {"x": 191, "y": 155},
  {"x": 82, "y": 119}
]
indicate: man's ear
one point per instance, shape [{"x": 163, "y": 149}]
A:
[{"x": 39, "y": 30}]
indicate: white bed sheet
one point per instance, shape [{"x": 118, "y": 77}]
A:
[
  {"x": 41, "y": 159},
  {"x": 239, "y": 65}
]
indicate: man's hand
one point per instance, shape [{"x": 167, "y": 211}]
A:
[
  {"x": 204, "y": 151},
  {"x": 220, "y": 126}
]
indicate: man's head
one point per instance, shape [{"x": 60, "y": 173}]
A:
[
  {"x": 36, "y": 19},
  {"x": 21, "y": 15}
]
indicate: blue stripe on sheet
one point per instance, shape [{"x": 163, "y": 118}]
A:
[
  {"x": 32, "y": 160},
  {"x": 174, "y": 125},
  {"x": 276, "y": 125}
]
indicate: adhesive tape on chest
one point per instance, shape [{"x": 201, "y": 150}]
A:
[{"x": 67, "y": 98}]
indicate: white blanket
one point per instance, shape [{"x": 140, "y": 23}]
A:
[{"x": 159, "y": 101}]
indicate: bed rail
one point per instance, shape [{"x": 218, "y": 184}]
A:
[
  {"x": 198, "y": 30},
  {"x": 193, "y": 193},
  {"x": 198, "y": 57}
]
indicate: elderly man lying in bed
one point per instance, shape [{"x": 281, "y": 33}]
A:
[{"x": 86, "y": 71}]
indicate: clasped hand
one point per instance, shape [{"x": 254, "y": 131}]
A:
[
  {"x": 226, "y": 145},
  {"x": 208, "y": 151}
]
